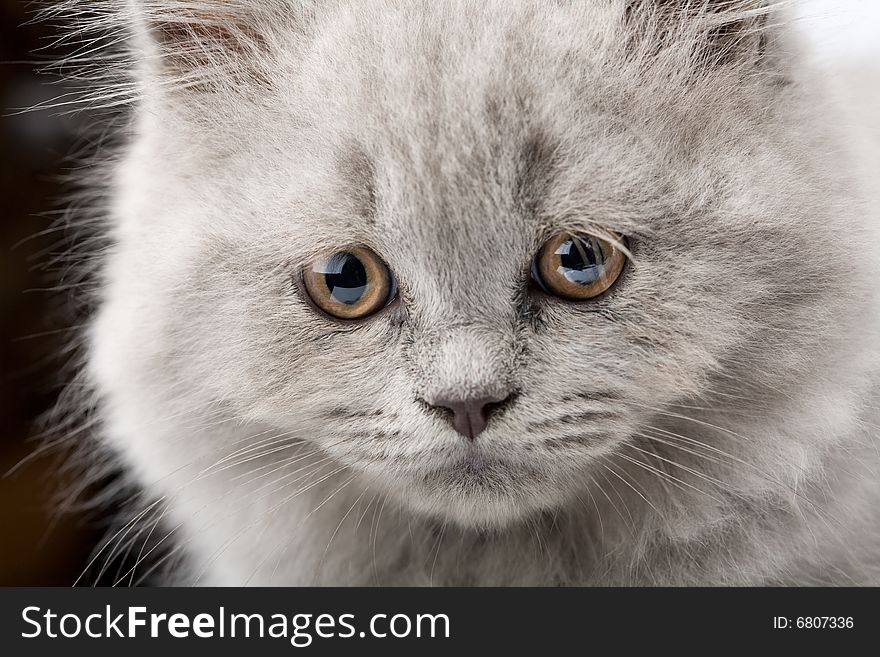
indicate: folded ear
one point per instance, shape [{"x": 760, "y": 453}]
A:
[
  {"x": 214, "y": 44},
  {"x": 718, "y": 31}
]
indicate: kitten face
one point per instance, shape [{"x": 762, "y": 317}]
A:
[{"x": 454, "y": 144}]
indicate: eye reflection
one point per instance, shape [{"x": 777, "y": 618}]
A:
[
  {"x": 581, "y": 261},
  {"x": 345, "y": 278}
]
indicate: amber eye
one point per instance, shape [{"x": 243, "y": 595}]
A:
[
  {"x": 351, "y": 284},
  {"x": 577, "y": 267}
]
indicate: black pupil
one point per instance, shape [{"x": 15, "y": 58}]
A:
[
  {"x": 346, "y": 278},
  {"x": 581, "y": 260}
]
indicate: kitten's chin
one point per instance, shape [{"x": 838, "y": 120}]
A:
[
  {"x": 485, "y": 495},
  {"x": 477, "y": 512}
]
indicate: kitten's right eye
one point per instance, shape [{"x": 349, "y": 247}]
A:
[
  {"x": 577, "y": 267},
  {"x": 351, "y": 284}
]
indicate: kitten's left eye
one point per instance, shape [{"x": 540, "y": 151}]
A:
[
  {"x": 577, "y": 267},
  {"x": 351, "y": 284}
]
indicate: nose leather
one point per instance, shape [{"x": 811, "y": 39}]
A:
[{"x": 470, "y": 416}]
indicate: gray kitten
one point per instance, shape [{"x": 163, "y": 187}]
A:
[{"x": 471, "y": 292}]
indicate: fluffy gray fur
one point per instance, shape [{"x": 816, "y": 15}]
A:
[{"x": 711, "y": 421}]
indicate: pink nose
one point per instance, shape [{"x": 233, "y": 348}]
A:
[{"x": 471, "y": 416}]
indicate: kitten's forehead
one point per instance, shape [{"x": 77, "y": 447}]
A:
[
  {"x": 448, "y": 133},
  {"x": 459, "y": 140},
  {"x": 450, "y": 128},
  {"x": 426, "y": 81},
  {"x": 456, "y": 228}
]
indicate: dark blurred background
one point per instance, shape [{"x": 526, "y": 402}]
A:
[{"x": 38, "y": 545}]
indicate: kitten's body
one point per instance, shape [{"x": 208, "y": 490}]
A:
[{"x": 712, "y": 421}]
